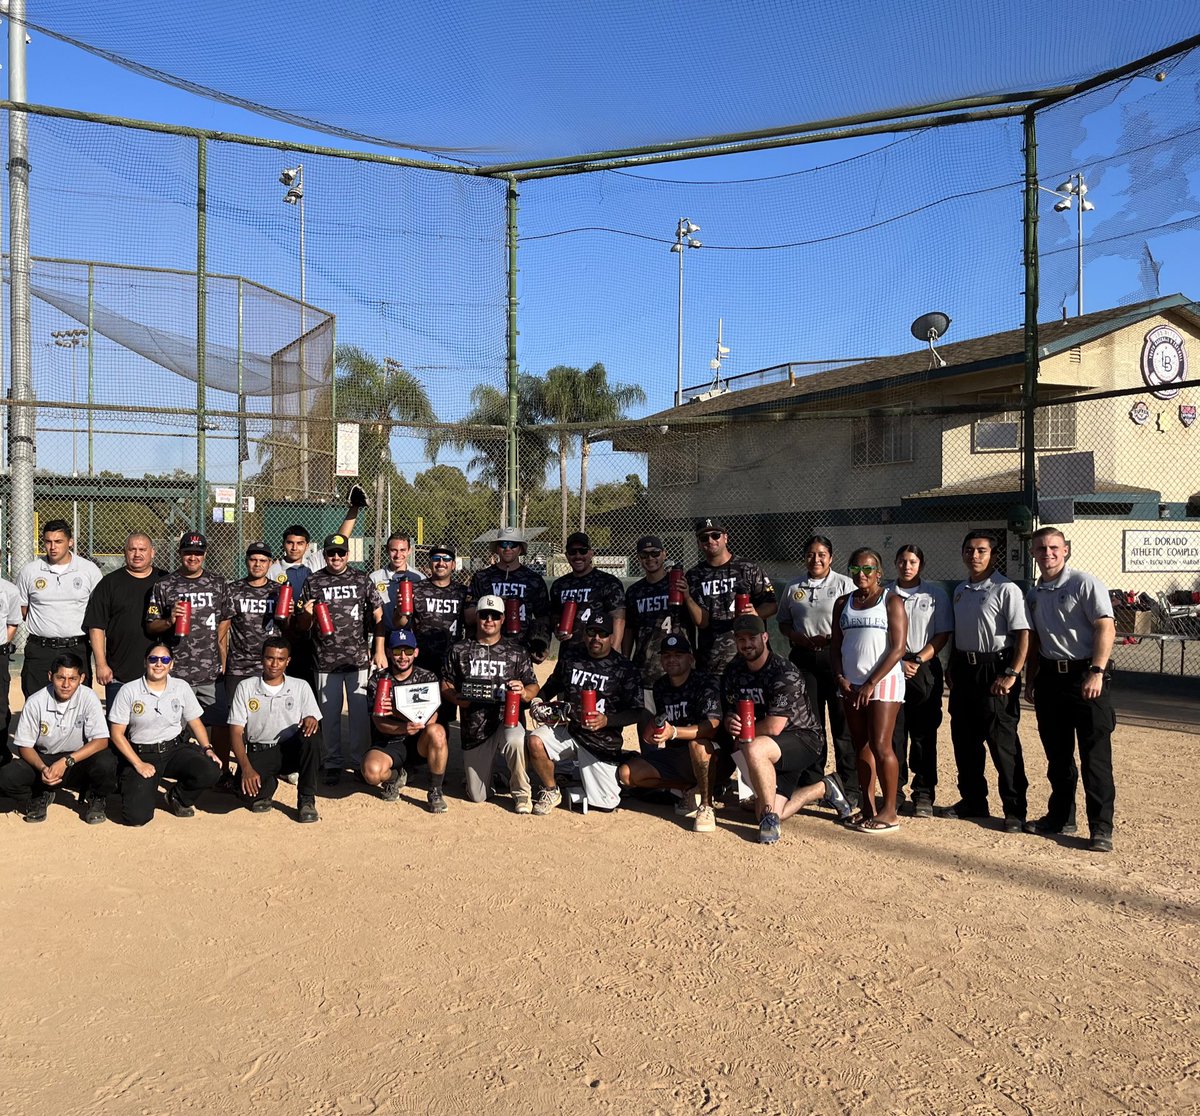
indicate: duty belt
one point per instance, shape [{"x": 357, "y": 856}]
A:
[
  {"x": 57, "y": 641},
  {"x": 975, "y": 657},
  {"x": 158, "y": 748},
  {"x": 262, "y": 745},
  {"x": 1064, "y": 666}
]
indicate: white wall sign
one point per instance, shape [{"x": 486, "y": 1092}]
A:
[
  {"x": 346, "y": 464},
  {"x": 1161, "y": 551},
  {"x": 1164, "y": 361},
  {"x": 224, "y": 495}
]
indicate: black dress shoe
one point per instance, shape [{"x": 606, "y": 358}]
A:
[
  {"x": 1014, "y": 825},
  {"x": 963, "y": 811},
  {"x": 1100, "y": 842},
  {"x": 1046, "y": 827}
]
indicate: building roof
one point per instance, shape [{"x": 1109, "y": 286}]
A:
[
  {"x": 979, "y": 354},
  {"x": 1009, "y": 482}
]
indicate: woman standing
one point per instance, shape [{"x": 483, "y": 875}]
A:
[
  {"x": 869, "y": 632},
  {"x": 148, "y": 719},
  {"x": 806, "y": 619},
  {"x": 930, "y": 622}
]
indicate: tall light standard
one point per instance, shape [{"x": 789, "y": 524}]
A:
[
  {"x": 1068, "y": 191},
  {"x": 293, "y": 179},
  {"x": 683, "y": 240},
  {"x": 72, "y": 339}
]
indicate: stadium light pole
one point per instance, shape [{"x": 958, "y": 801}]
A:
[
  {"x": 1074, "y": 188},
  {"x": 683, "y": 241},
  {"x": 293, "y": 179},
  {"x": 72, "y": 339}
]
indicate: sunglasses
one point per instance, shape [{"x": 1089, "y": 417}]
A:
[
  {"x": 650, "y": 554},
  {"x": 507, "y": 545},
  {"x": 862, "y": 569},
  {"x": 336, "y": 553},
  {"x": 491, "y": 615},
  {"x": 440, "y": 558},
  {"x": 403, "y": 650},
  {"x": 710, "y": 536},
  {"x": 164, "y": 659},
  {"x": 576, "y": 553},
  {"x": 597, "y": 633}
]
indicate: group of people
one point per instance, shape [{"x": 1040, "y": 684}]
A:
[{"x": 239, "y": 684}]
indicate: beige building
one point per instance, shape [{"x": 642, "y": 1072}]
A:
[{"x": 901, "y": 449}]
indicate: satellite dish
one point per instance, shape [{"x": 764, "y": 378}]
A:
[{"x": 930, "y": 327}]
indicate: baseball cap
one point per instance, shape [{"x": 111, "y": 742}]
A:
[
  {"x": 193, "y": 543},
  {"x": 401, "y": 637},
  {"x": 710, "y": 523},
  {"x": 335, "y": 542},
  {"x": 258, "y": 548},
  {"x": 579, "y": 538},
  {"x": 676, "y": 641},
  {"x": 490, "y": 603},
  {"x": 649, "y": 542},
  {"x": 443, "y": 550},
  {"x": 600, "y": 620},
  {"x": 748, "y": 622}
]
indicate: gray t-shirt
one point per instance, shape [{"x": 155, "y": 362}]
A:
[
  {"x": 271, "y": 714},
  {"x": 1063, "y": 612},
  {"x": 929, "y": 612},
  {"x": 807, "y": 604},
  {"x": 10, "y": 605},
  {"x": 56, "y": 727},
  {"x": 56, "y": 597},
  {"x": 154, "y": 716},
  {"x": 987, "y": 613}
]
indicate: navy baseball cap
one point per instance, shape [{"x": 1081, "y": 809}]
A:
[
  {"x": 401, "y": 637},
  {"x": 579, "y": 538},
  {"x": 676, "y": 641},
  {"x": 649, "y": 542}
]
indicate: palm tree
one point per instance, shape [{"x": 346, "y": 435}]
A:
[
  {"x": 559, "y": 401},
  {"x": 601, "y": 403}
]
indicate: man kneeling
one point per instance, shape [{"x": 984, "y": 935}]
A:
[
  {"x": 786, "y": 741},
  {"x": 275, "y": 728},
  {"x": 677, "y": 745}
]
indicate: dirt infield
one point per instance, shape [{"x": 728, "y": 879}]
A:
[{"x": 390, "y": 961}]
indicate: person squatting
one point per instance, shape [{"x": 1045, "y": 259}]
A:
[{"x": 241, "y": 685}]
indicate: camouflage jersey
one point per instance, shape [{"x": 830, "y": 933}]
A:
[
  {"x": 714, "y": 588},
  {"x": 696, "y": 701},
  {"x": 651, "y": 619},
  {"x": 618, "y": 687},
  {"x": 529, "y": 588},
  {"x": 416, "y": 677},
  {"x": 470, "y": 661},
  {"x": 437, "y": 619},
  {"x": 352, "y": 599},
  {"x": 777, "y": 690},
  {"x": 253, "y": 608},
  {"x": 595, "y": 592},
  {"x": 197, "y": 657}
]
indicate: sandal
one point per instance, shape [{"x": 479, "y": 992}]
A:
[
  {"x": 854, "y": 819},
  {"x": 874, "y": 825}
]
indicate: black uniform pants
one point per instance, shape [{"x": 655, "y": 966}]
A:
[
  {"x": 977, "y": 716},
  {"x": 192, "y": 770},
  {"x": 5, "y": 711},
  {"x": 915, "y": 737},
  {"x": 96, "y": 775},
  {"x": 1063, "y": 715},
  {"x": 825, "y": 700},
  {"x": 298, "y": 753},
  {"x": 38, "y": 656}
]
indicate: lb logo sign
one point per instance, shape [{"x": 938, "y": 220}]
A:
[{"x": 1164, "y": 361}]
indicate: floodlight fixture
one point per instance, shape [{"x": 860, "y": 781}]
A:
[
  {"x": 289, "y": 175},
  {"x": 1067, "y": 192},
  {"x": 1062, "y": 206},
  {"x": 683, "y": 239}
]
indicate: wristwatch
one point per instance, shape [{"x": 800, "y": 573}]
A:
[
  {"x": 1010, "y": 673},
  {"x": 1093, "y": 669},
  {"x": 70, "y": 761}
]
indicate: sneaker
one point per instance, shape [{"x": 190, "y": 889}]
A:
[
  {"x": 332, "y": 776},
  {"x": 260, "y": 805},
  {"x": 95, "y": 810},
  {"x": 437, "y": 801},
  {"x": 292, "y": 777},
  {"x": 547, "y": 799},
  {"x": 922, "y": 806},
  {"x": 1100, "y": 842},
  {"x": 308, "y": 810},
  {"x": 178, "y": 808},
  {"x": 689, "y": 805},
  {"x": 836, "y": 797},
  {"x": 964, "y": 810},
  {"x": 1014, "y": 825},
  {"x": 38, "y": 805},
  {"x": 705, "y": 822},
  {"x": 768, "y": 829},
  {"x": 523, "y": 804},
  {"x": 389, "y": 789},
  {"x": 1045, "y": 826}
]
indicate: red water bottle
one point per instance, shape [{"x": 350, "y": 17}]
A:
[
  {"x": 512, "y": 708},
  {"x": 324, "y": 618},
  {"x": 283, "y": 602},
  {"x": 404, "y": 598},
  {"x": 675, "y": 583},
  {"x": 382, "y": 705},
  {"x": 183, "y": 622},
  {"x": 745, "y": 712},
  {"x": 587, "y": 703},
  {"x": 566, "y": 621},
  {"x": 512, "y": 616},
  {"x": 741, "y": 603}
]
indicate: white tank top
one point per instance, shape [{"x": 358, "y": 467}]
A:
[{"x": 865, "y": 643}]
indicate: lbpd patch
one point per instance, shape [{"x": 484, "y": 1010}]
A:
[
  {"x": 44, "y": 729},
  {"x": 253, "y": 705},
  {"x": 138, "y": 707},
  {"x": 40, "y": 583}
]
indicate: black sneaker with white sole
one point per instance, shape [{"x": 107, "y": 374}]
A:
[
  {"x": 38, "y": 805},
  {"x": 95, "y": 810}
]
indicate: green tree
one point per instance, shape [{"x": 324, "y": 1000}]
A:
[{"x": 601, "y": 404}]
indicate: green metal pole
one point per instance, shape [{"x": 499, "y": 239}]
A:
[
  {"x": 201, "y": 325},
  {"x": 238, "y": 512},
  {"x": 91, "y": 352},
  {"x": 513, "y": 477},
  {"x": 1029, "y": 390}
]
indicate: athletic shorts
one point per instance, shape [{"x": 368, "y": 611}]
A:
[
  {"x": 674, "y": 763},
  {"x": 798, "y": 752},
  {"x": 397, "y": 752},
  {"x": 598, "y": 776}
]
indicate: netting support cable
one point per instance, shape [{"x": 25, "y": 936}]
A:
[
  {"x": 91, "y": 398},
  {"x": 242, "y": 450},
  {"x": 23, "y": 421},
  {"x": 201, "y": 325},
  {"x": 512, "y": 478},
  {"x": 1029, "y": 392}
]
